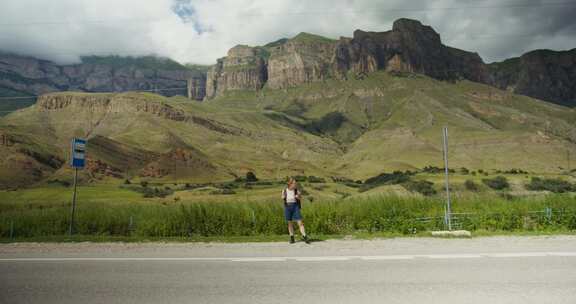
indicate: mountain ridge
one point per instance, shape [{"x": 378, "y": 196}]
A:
[{"x": 409, "y": 46}]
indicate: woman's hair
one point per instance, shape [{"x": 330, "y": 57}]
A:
[{"x": 291, "y": 181}]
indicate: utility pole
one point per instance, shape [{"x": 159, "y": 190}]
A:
[{"x": 448, "y": 215}]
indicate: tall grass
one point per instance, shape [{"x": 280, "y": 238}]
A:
[{"x": 373, "y": 214}]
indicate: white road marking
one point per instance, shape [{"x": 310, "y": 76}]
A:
[
  {"x": 516, "y": 255},
  {"x": 258, "y": 260},
  {"x": 324, "y": 258},
  {"x": 388, "y": 257},
  {"x": 299, "y": 259},
  {"x": 453, "y": 256},
  {"x": 562, "y": 254}
]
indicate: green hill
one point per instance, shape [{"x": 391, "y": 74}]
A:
[{"x": 356, "y": 129}]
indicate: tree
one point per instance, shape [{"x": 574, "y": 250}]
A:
[{"x": 251, "y": 177}]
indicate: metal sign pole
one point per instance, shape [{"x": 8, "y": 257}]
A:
[
  {"x": 448, "y": 203},
  {"x": 77, "y": 161},
  {"x": 71, "y": 230}
]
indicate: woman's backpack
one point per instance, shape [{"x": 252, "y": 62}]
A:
[{"x": 298, "y": 201}]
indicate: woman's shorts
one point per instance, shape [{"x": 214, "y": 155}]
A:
[{"x": 292, "y": 212}]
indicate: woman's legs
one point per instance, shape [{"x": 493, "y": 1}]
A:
[
  {"x": 301, "y": 226},
  {"x": 290, "y": 228}
]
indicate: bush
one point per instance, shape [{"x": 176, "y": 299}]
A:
[
  {"x": 223, "y": 191},
  {"x": 300, "y": 178},
  {"x": 436, "y": 170},
  {"x": 59, "y": 182},
  {"x": 394, "y": 178},
  {"x": 251, "y": 177},
  {"x": 470, "y": 185},
  {"x": 315, "y": 179},
  {"x": 423, "y": 187},
  {"x": 516, "y": 171},
  {"x": 156, "y": 192},
  {"x": 144, "y": 184},
  {"x": 127, "y": 182},
  {"x": 497, "y": 183},
  {"x": 550, "y": 184}
]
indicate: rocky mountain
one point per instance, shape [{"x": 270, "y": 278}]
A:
[
  {"x": 409, "y": 47},
  {"x": 31, "y": 76},
  {"x": 542, "y": 74}
]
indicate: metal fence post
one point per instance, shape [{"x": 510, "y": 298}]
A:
[
  {"x": 12, "y": 229},
  {"x": 548, "y": 213},
  {"x": 130, "y": 225},
  {"x": 446, "y": 171}
]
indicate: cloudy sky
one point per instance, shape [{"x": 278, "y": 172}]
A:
[{"x": 199, "y": 31}]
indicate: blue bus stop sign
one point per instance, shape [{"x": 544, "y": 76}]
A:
[{"x": 78, "y": 153}]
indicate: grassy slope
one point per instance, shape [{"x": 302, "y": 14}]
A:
[
  {"x": 385, "y": 123},
  {"x": 401, "y": 120}
]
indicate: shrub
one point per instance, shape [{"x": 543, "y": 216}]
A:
[
  {"x": 470, "y": 185},
  {"x": 497, "y": 183},
  {"x": 436, "y": 170},
  {"x": 516, "y": 171},
  {"x": 315, "y": 179},
  {"x": 223, "y": 191},
  {"x": 127, "y": 182},
  {"x": 300, "y": 178},
  {"x": 251, "y": 177},
  {"x": 396, "y": 177},
  {"x": 144, "y": 184},
  {"x": 550, "y": 184},
  {"x": 155, "y": 192},
  {"x": 423, "y": 187},
  {"x": 353, "y": 185},
  {"x": 60, "y": 182}
]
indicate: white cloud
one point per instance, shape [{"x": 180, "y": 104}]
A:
[{"x": 63, "y": 30}]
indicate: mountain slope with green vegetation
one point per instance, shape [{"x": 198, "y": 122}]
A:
[{"x": 355, "y": 129}]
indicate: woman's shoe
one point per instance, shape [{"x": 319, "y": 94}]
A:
[{"x": 292, "y": 241}]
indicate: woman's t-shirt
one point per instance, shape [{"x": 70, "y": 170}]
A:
[{"x": 290, "y": 196}]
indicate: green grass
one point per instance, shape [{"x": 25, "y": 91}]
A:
[
  {"x": 311, "y": 38},
  {"x": 374, "y": 215}
]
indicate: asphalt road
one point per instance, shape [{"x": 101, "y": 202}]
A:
[{"x": 480, "y": 270}]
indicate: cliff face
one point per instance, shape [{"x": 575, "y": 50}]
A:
[
  {"x": 244, "y": 68},
  {"x": 302, "y": 59},
  {"x": 34, "y": 76},
  {"x": 408, "y": 47},
  {"x": 542, "y": 74}
]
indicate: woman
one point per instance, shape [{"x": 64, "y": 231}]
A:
[{"x": 292, "y": 206}]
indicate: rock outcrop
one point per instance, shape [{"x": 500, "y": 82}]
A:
[
  {"x": 543, "y": 74},
  {"x": 302, "y": 59},
  {"x": 100, "y": 74},
  {"x": 408, "y": 47},
  {"x": 243, "y": 69}
]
